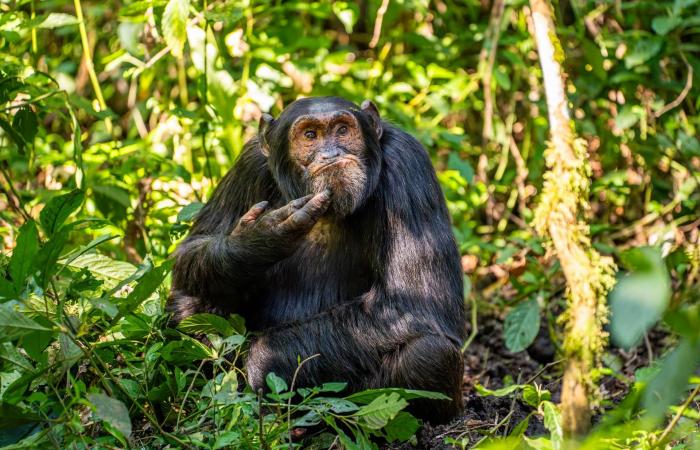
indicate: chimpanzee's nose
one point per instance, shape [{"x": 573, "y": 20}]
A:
[{"x": 330, "y": 153}]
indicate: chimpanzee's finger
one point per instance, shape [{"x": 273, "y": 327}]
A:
[
  {"x": 305, "y": 218},
  {"x": 281, "y": 214},
  {"x": 252, "y": 215}
]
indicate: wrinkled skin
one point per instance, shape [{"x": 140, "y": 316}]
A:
[{"x": 330, "y": 236}]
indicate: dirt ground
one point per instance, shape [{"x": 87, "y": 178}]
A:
[{"x": 489, "y": 363}]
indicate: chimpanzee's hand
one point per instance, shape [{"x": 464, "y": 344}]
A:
[{"x": 278, "y": 232}]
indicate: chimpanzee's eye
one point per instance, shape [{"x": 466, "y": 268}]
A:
[
  {"x": 342, "y": 131},
  {"x": 310, "y": 134}
]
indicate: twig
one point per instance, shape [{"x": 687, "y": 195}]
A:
[
  {"x": 378, "y": 23},
  {"x": 678, "y": 100},
  {"x": 189, "y": 389},
  {"x": 542, "y": 369},
  {"x": 474, "y": 325},
  {"x": 291, "y": 389},
  {"x": 647, "y": 343},
  {"x": 261, "y": 434},
  {"x": 677, "y": 417},
  {"x": 487, "y": 59},
  {"x": 521, "y": 172},
  {"x": 13, "y": 198},
  {"x": 89, "y": 64}
]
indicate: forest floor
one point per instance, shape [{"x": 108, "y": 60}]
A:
[{"x": 490, "y": 364}]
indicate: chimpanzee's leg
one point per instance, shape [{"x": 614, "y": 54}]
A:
[
  {"x": 430, "y": 363},
  {"x": 426, "y": 362}
]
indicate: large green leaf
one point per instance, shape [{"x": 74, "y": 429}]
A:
[
  {"x": 639, "y": 298},
  {"x": 26, "y": 124},
  {"x": 14, "y": 324},
  {"x": 670, "y": 383},
  {"x": 112, "y": 411},
  {"x": 643, "y": 51},
  {"x": 59, "y": 208},
  {"x": 185, "y": 351},
  {"x": 522, "y": 325},
  {"x": 22, "y": 260},
  {"x": 552, "y": 421},
  {"x": 370, "y": 395},
  {"x": 104, "y": 267},
  {"x": 12, "y": 416},
  {"x": 402, "y": 427},
  {"x": 46, "y": 259},
  {"x": 206, "y": 323},
  {"x": 175, "y": 25},
  {"x": 146, "y": 286},
  {"x": 381, "y": 410},
  {"x": 57, "y": 20}
]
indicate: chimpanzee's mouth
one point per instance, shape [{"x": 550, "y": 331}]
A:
[{"x": 337, "y": 162}]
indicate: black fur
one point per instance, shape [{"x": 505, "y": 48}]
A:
[{"x": 378, "y": 294}]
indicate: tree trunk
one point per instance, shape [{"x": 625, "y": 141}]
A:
[{"x": 564, "y": 197}]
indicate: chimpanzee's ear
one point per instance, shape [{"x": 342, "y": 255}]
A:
[
  {"x": 370, "y": 109},
  {"x": 265, "y": 121}
]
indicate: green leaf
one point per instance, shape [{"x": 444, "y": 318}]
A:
[
  {"x": 639, "y": 298},
  {"x": 46, "y": 259},
  {"x": 185, "y": 351},
  {"x": 14, "y": 324},
  {"x": 227, "y": 439},
  {"x": 112, "y": 411},
  {"x": 402, "y": 427},
  {"x": 146, "y": 286},
  {"x": 533, "y": 396},
  {"x": 643, "y": 51},
  {"x": 520, "y": 429},
  {"x": 276, "y": 384},
  {"x": 522, "y": 325},
  {"x": 189, "y": 212},
  {"x": 382, "y": 409},
  {"x": 174, "y": 25},
  {"x": 668, "y": 385},
  {"x": 347, "y": 13},
  {"x": 23, "y": 255},
  {"x": 309, "y": 419},
  {"x": 104, "y": 267},
  {"x": 12, "y": 416},
  {"x": 540, "y": 443},
  {"x": 665, "y": 24},
  {"x": 370, "y": 395},
  {"x": 464, "y": 168},
  {"x": 59, "y": 208},
  {"x": 502, "y": 392},
  {"x": 13, "y": 134},
  {"x": 205, "y": 323},
  {"x": 500, "y": 74},
  {"x": 626, "y": 118},
  {"x": 26, "y": 124},
  {"x": 333, "y": 387},
  {"x": 56, "y": 20},
  {"x": 552, "y": 422}
]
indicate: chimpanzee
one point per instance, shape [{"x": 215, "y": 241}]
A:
[{"x": 330, "y": 236}]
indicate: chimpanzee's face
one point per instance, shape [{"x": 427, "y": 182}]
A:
[
  {"x": 329, "y": 149},
  {"x": 325, "y": 143}
]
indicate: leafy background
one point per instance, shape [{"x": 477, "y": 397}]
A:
[{"x": 118, "y": 118}]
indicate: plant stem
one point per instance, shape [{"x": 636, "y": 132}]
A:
[
  {"x": 677, "y": 417},
  {"x": 89, "y": 64}
]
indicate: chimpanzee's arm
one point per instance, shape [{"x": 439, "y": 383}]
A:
[
  {"x": 209, "y": 263},
  {"x": 412, "y": 319}
]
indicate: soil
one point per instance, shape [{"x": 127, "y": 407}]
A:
[{"x": 489, "y": 363}]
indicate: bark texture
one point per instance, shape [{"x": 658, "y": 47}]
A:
[{"x": 588, "y": 275}]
